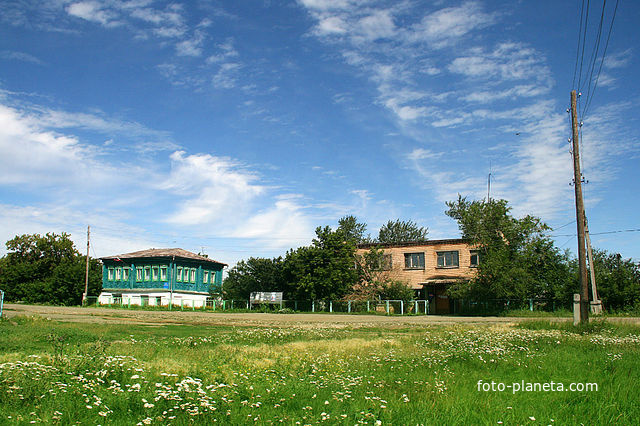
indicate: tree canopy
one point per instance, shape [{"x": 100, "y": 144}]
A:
[
  {"x": 400, "y": 231},
  {"x": 517, "y": 260},
  {"x": 46, "y": 269}
]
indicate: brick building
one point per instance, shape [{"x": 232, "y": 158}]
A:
[{"x": 429, "y": 267}]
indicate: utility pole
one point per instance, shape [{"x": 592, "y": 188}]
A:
[
  {"x": 580, "y": 215},
  {"x": 86, "y": 274},
  {"x": 596, "y": 304}
]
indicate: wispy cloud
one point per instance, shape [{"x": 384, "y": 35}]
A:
[{"x": 20, "y": 56}]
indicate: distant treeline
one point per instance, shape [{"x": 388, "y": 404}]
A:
[{"x": 46, "y": 269}]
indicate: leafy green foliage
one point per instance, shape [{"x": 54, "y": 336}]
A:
[
  {"x": 46, "y": 269},
  {"x": 396, "y": 290},
  {"x": 353, "y": 230},
  {"x": 617, "y": 279},
  {"x": 516, "y": 259},
  {"x": 323, "y": 270},
  {"x": 254, "y": 274},
  {"x": 400, "y": 231}
]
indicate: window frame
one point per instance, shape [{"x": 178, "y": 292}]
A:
[
  {"x": 139, "y": 274},
  {"x": 410, "y": 264},
  {"x": 125, "y": 273},
  {"x": 118, "y": 275},
  {"x": 110, "y": 273},
  {"x": 443, "y": 255},
  {"x": 472, "y": 254},
  {"x": 179, "y": 273},
  {"x": 147, "y": 273},
  {"x": 192, "y": 275},
  {"x": 163, "y": 273},
  {"x": 155, "y": 273},
  {"x": 205, "y": 277}
]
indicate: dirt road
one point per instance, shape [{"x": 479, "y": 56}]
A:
[{"x": 125, "y": 316}]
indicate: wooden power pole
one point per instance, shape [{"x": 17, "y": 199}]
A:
[
  {"x": 580, "y": 214},
  {"x": 86, "y": 274}
]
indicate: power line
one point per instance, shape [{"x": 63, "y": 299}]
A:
[
  {"x": 619, "y": 231},
  {"x": 575, "y": 68},
  {"x": 584, "y": 36},
  {"x": 604, "y": 54},
  {"x": 594, "y": 53}
]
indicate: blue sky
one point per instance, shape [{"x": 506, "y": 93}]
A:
[{"x": 238, "y": 127}]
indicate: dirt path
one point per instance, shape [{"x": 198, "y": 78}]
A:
[{"x": 125, "y": 316}]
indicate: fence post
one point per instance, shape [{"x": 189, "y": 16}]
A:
[
  {"x": 531, "y": 305},
  {"x": 313, "y": 306},
  {"x": 349, "y": 308},
  {"x": 387, "y": 307},
  {"x": 295, "y": 305},
  {"x": 193, "y": 305},
  {"x": 401, "y": 307},
  {"x": 331, "y": 306},
  {"x": 367, "y": 306}
]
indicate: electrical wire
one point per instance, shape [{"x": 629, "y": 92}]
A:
[
  {"x": 575, "y": 67},
  {"x": 594, "y": 53},
  {"x": 604, "y": 54},
  {"x": 584, "y": 37}
]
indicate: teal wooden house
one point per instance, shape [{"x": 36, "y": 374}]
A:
[{"x": 157, "y": 277}]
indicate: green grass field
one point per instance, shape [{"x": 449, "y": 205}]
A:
[{"x": 73, "y": 373}]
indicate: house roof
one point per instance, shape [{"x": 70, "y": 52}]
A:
[
  {"x": 414, "y": 243},
  {"x": 178, "y": 253}
]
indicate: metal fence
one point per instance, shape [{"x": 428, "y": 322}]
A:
[
  {"x": 398, "y": 307},
  {"x": 395, "y": 307}
]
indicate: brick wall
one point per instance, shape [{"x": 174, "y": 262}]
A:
[{"x": 417, "y": 277}]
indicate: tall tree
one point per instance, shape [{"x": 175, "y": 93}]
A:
[
  {"x": 46, "y": 269},
  {"x": 352, "y": 229},
  {"x": 400, "y": 231},
  {"x": 618, "y": 280},
  {"x": 254, "y": 274},
  {"x": 516, "y": 259}
]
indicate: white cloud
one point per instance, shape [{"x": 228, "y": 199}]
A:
[
  {"x": 377, "y": 25},
  {"x": 508, "y": 61},
  {"x": 20, "y": 56},
  {"x": 92, "y": 11},
  {"x": 331, "y": 25},
  {"x": 33, "y": 156},
  {"x": 445, "y": 26},
  {"x": 618, "y": 59},
  {"x": 226, "y": 76},
  {"x": 212, "y": 188},
  {"x": 192, "y": 46}
]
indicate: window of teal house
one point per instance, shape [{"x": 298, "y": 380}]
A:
[
  {"x": 147, "y": 273},
  {"x": 163, "y": 273},
  {"x": 193, "y": 275},
  {"x": 154, "y": 273},
  {"x": 205, "y": 277},
  {"x": 125, "y": 274},
  {"x": 139, "y": 273},
  {"x": 110, "y": 274},
  {"x": 179, "y": 277},
  {"x": 118, "y": 274}
]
